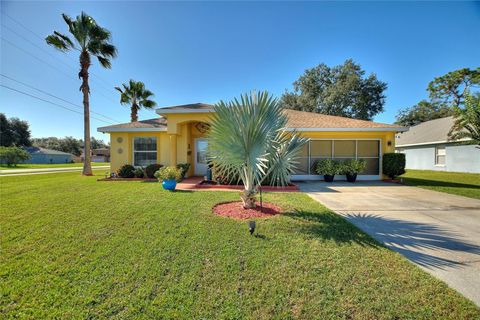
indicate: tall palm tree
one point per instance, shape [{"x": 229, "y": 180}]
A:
[
  {"x": 467, "y": 120},
  {"x": 247, "y": 140},
  {"x": 136, "y": 96},
  {"x": 90, "y": 40}
]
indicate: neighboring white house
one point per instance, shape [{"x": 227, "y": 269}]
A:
[
  {"x": 46, "y": 156},
  {"x": 427, "y": 147}
]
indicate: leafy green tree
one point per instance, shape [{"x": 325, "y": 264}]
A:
[
  {"x": 467, "y": 120},
  {"x": 342, "y": 90},
  {"x": 11, "y": 156},
  {"x": 67, "y": 144},
  {"x": 452, "y": 87},
  {"x": 21, "y": 132},
  {"x": 14, "y": 132},
  {"x": 137, "y": 96},
  {"x": 421, "y": 112},
  {"x": 246, "y": 140},
  {"x": 90, "y": 40},
  {"x": 97, "y": 143},
  {"x": 6, "y": 135}
]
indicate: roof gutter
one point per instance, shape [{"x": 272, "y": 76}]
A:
[
  {"x": 106, "y": 129},
  {"x": 170, "y": 111},
  {"x": 395, "y": 129},
  {"x": 431, "y": 142}
]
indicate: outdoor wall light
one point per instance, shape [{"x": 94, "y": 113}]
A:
[
  {"x": 389, "y": 143},
  {"x": 251, "y": 226}
]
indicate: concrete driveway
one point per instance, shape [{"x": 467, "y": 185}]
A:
[{"x": 437, "y": 231}]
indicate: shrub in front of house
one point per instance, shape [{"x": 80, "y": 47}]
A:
[
  {"x": 126, "y": 171},
  {"x": 151, "y": 169},
  {"x": 169, "y": 177},
  {"x": 11, "y": 156},
  {"x": 351, "y": 168},
  {"x": 184, "y": 168},
  {"x": 393, "y": 164},
  {"x": 139, "y": 173},
  {"x": 328, "y": 168},
  {"x": 168, "y": 173}
]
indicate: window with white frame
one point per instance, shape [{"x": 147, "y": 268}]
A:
[
  {"x": 440, "y": 153},
  {"x": 144, "y": 151}
]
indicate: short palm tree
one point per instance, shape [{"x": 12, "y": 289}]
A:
[
  {"x": 247, "y": 140},
  {"x": 467, "y": 120},
  {"x": 90, "y": 40},
  {"x": 136, "y": 96}
]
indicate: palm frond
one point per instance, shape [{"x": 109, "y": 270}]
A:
[
  {"x": 246, "y": 139},
  {"x": 88, "y": 37},
  {"x": 106, "y": 63},
  {"x": 58, "y": 42},
  {"x": 135, "y": 94},
  {"x": 147, "y": 104}
]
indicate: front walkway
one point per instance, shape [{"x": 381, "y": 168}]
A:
[{"x": 437, "y": 231}]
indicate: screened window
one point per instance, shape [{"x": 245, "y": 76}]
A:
[
  {"x": 440, "y": 153},
  {"x": 369, "y": 150},
  {"x": 319, "y": 149},
  {"x": 144, "y": 151},
  {"x": 341, "y": 150},
  {"x": 302, "y": 161}
]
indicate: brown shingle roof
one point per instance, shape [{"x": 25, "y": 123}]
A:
[
  {"x": 296, "y": 119},
  {"x": 302, "y": 119}
]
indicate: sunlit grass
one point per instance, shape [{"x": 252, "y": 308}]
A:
[
  {"x": 463, "y": 184},
  {"x": 76, "y": 248},
  {"x": 53, "y": 165}
]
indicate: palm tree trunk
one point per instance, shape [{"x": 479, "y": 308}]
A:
[
  {"x": 248, "y": 199},
  {"x": 134, "y": 112},
  {"x": 84, "y": 65},
  {"x": 248, "y": 196}
]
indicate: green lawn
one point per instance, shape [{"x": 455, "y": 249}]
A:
[
  {"x": 56, "y": 165},
  {"x": 464, "y": 184},
  {"x": 76, "y": 248}
]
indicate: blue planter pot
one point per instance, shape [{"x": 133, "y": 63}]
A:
[{"x": 169, "y": 184}]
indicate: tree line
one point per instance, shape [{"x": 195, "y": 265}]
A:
[
  {"x": 346, "y": 90},
  {"x": 447, "y": 96},
  {"x": 16, "y": 133}
]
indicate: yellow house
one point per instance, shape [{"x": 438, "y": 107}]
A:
[{"x": 178, "y": 135}]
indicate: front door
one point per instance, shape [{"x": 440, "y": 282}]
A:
[{"x": 201, "y": 157}]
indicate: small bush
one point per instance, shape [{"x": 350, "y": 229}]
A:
[
  {"x": 151, "y": 169},
  {"x": 393, "y": 164},
  {"x": 139, "y": 173},
  {"x": 353, "y": 166},
  {"x": 168, "y": 173},
  {"x": 12, "y": 156},
  {"x": 126, "y": 171},
  {"x": 184, "y": 167},
  {"x": 328, "y": 167}
]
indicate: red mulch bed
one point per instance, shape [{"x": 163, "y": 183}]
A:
[
  {"x": 235, "y": 210},
  {"x": 213, "y": 185}
]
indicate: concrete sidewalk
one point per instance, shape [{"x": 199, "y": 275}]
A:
[
  {"x": 437, "y": 231},
  {"x": 16, "y": 172}
]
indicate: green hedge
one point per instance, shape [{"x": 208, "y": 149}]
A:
[
  {"x": 393, "y": 164},
  {"x": 126, "y": 171}
]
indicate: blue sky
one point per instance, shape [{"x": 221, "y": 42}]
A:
[{"x": 190, "y": 52}]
